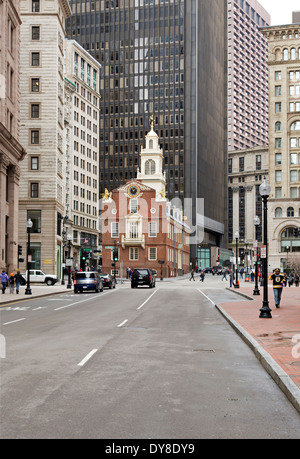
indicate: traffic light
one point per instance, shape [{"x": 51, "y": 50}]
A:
[
  {"x": 115, "y": 255},
  {"x": 83, "y": 255},
  {"x": 19, "y": 249},
  {"x": 296, "y": 232}
]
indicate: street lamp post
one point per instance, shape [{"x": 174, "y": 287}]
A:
[
  {"x": 29, "y": 226},
  {"x": 256, "y": 290},
  {"x": 246, "y": 255},
  {"x": 237, "y": 235},
  {"x": 63, "y": 257},
  {"x": 69, "y": 237},
  {"x": 265, "y": 190}
]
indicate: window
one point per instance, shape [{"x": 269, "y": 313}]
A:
[
  {"x": 294, "y": 159},
  {"x": 278, "y": 212},
  {"x": 290, "y": 212},
  {"x": 278, "y": 192},
  {"x": 278, "y": 107},
  {"x": 277, "y": 90},
  {"x": 150, "y": 167},
  {"x": 35, "y": 6},
  {"x": 35, "y": 59},
  {"x": 35, "y": 33},
  {"x": 294, "y": 192},
  {"x": 241, "y": 164},
  {"x": 35, "y": 216},
  {"x": 278, "y": 126},
  {"x": 34, "y": 111},
  {"x": 133, "y": 253},
  {"x": 258, "y": 162},
  {"x": 133, "y": 230},
  {"x": 278, "y": 176},
  {"x": 115, "y": 229},
  {"x": 152, "y": 229},
  {"x": 277, "y": 76},
  {"x": 285, "y": 54},
  {"x": 34, "y": 163},
  {"x": 34, "y": 190},
  {"x": 34, "y": 137},
  {"x": 295, "y": 126},
  {"x": 278, "y": 159},
  {"x": 278, "y": 142},
  {"x": 35, "y": 85},
  {"x": 133, "y": 206},
  {"x": 294, "y": 176},
  {"x": 152, "y": 254}
]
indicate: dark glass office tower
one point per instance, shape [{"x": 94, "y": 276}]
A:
[{"x": 165, "y": 58}]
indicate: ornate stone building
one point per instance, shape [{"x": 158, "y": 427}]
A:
[
  {"x": 284, "y": 143},
  {"x": 11, "y": 151}
]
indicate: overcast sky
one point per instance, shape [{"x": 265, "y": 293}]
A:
[{"x": 280, "y": 10}]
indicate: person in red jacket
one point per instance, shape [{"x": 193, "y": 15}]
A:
[{"x": 278, "y": 280}]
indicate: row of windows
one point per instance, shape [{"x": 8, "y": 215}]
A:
[{"x": 290, "y": 212}]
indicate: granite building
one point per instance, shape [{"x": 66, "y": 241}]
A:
[
  {"x": 167, "y": 60},
  {"x": 11, "y": 151}
]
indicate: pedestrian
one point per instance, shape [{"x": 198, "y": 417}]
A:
[
  {"x": 278, "y": 281},
  {"x": 12, "y": 283},
  {"x": 241, "y": 273},
  {"x": 4, "y": 281},
  {"x": 252, "y": 275},
  {"x": 224, "y": 274},
  {"x": 192, "y": 275},
  {"x": 296, "y": 280},
  {"x": 202, "y": 276},
  {"x": 18, "y": 279},
  {"x": 291, "y": 280}
]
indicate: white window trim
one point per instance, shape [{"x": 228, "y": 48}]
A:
[
  {"x": 152, "y": 229},
  {"x": 115, "y": 230},
  {"x": 149, "y": 253},
  {"x": 132, "y": 252}
]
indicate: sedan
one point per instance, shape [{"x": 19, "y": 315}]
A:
[{"x": 108, "y": 281}]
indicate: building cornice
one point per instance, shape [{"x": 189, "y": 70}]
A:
[{"x": 11, "y": 144}]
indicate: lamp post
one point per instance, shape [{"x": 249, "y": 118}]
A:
[
  {"x": 246, "y": 255},
  {"x": 265, "y": 190},
  {"x": 69, "y": 238},
  {"x": 29, "y": 226},
  {"x": 237, "y": 235},
  {"x": 63, "y": 257},
  {"x": 256, "y": 290}
]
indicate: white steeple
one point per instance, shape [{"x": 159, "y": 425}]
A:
[{"x": 151, "y": 171}]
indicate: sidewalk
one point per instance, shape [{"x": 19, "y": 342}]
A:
[{"x": 276, "y": 341}]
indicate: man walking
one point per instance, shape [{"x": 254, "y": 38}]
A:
[
  {"x": 192, "y": 275},
  {"x": 278, "y": 280},
  {"x": 224, "y": 274}
]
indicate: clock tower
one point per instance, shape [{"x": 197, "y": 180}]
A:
[{"x": 151, "y": 172}]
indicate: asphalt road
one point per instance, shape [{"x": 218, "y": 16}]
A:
[{"x": 135, "y": 364}]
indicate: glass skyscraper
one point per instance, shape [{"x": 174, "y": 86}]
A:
[{"x": 165, "y": 58}]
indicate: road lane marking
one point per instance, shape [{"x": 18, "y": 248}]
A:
[
  {"x": 140, "y": 307},
  {"x": 205, "y": 296},
  {"x": 86, "y": 358},
  {"x": 123, "y": 323},
  {"x": 83, "y": 301},
  {"x": 18, "y": 320}
]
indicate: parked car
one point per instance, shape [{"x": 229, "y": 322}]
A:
[
  {"x": 142, "y": 276},
  {"x": 108, "y": 281},
  {"x": 207, "y": 270},
  {"x": 87, "y": 280},
  {"x": 217, "y": 269},
  {"x": 36, "y": 275}
]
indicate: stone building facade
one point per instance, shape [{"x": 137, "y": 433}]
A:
[
  {"x": 11, "y": 151},
  {"x": 284, "y": 143},
  {"x": 246, "y": 171},
  {"x": 43, "y": 117}
]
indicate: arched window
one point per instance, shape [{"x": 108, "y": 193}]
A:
[
  {"x": 278, "y": 126},
  {"x": 290, "y": 212},
  {"x": 295, "y": 126},
  {"x": 293, "y": 54},
  {"x": 288, "y": 241},
  {"x": 151, "y": 144},
  {"x": 278, "y": 212},
  {"x": 285, "y": 54},
  {"x": 150, "y": 167}
]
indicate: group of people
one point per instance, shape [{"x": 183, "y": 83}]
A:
[
  {"x": 202, "y": 275},
  {"x": 12, "y": 281}
]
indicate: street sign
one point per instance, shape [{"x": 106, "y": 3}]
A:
[
  {"x": 109, "y": 247},
  {"x": 263, "y": 251},
  {"x": 255, "y": 244}
]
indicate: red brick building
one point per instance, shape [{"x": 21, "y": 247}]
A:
[{"x": 143, "y": 227}]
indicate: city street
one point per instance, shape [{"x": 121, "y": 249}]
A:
[{"x": 135, "y": 364}]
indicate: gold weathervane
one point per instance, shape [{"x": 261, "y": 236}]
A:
[{"x": 106, "y": 194}]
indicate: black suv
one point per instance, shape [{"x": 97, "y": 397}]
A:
[{"x": 142, "y": 276}]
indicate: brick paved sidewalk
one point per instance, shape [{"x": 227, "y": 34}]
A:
[{"x": 274, "y": 335}]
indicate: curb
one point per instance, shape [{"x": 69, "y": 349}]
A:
[
  {"x": 31, "y": 297},
  {"x": 280, "y": 377},
  {"x": 240, "y": 293}
]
